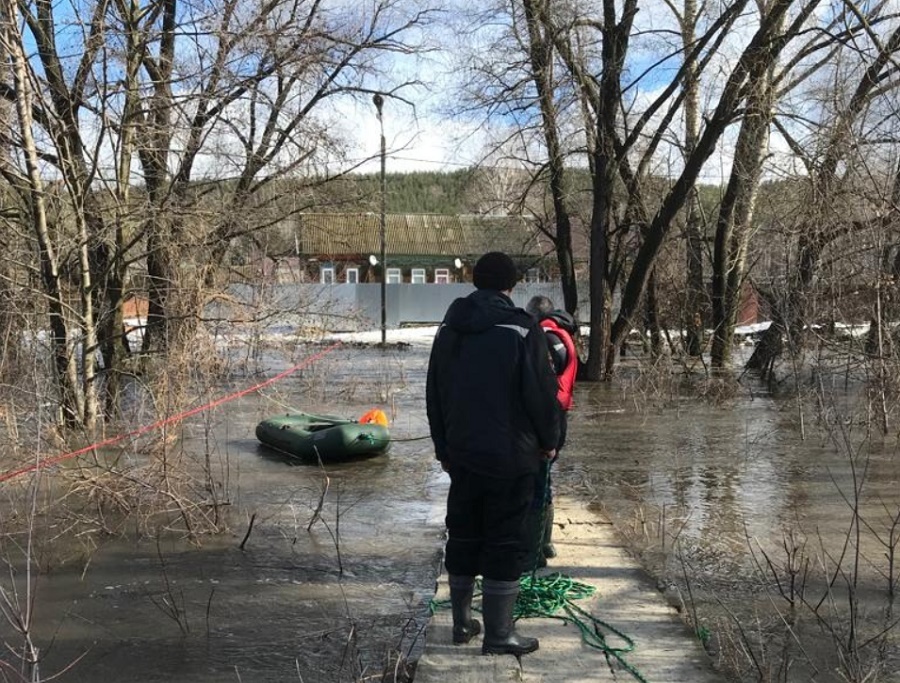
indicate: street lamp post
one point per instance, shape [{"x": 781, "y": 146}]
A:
[{"x": 379, "y": 103}]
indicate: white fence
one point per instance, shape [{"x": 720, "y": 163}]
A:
[{"x": 351, "y": 307}]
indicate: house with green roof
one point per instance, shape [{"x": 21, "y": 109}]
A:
[{"x": 419, "y": 248}]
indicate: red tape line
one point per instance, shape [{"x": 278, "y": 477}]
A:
[{"x": 46, "y": 462}]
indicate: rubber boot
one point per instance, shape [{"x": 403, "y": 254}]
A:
[
  {"x": 464, "y": 626},
  {"x": 548, "y": 548},
  {"x": 498, "y": 599}
]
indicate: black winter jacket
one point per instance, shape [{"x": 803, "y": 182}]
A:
[{"x": 491, "y": 391}]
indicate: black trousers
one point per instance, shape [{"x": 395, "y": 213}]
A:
[{"x": 486, "y": 523}]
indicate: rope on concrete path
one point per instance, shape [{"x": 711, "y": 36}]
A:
[{"x": 552, "y": 596}]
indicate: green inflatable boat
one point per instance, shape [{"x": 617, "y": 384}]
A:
[{"x": 330, "y": 438}]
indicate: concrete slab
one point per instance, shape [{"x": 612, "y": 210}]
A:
[{"x": 665, "y": 650}]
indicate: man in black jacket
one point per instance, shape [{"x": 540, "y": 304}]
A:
[{"x": 493, "y": 415}]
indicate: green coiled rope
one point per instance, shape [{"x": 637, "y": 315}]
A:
[{"x": 552, "y": 596}]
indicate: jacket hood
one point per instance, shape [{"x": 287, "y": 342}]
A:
[
  {"x": 563, "y": 319},
  {"x": 480, "y": 311}
]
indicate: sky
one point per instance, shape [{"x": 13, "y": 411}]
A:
[
  {"x": 421, "y": 136},
  {"x": 415, "y": 140},
  {"x": 424, "y": 139}
]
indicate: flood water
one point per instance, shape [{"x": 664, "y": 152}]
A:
[
  {"x": 335, "y": 603},
  {"x": 699, "y": 489},
  {"x": 743, "y": 516}
]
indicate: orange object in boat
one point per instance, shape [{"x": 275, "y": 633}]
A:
[{"x": 374, "y": 417}]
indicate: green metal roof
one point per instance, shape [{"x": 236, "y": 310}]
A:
[{"x": 326, "y": 235}]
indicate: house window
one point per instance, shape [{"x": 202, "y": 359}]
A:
[
  {"x": 327, "y": 275},
  {"x": 394, "y": 276},
  {"x": 352, "y": 275},
  {"x": 418, "y": 276},
  {"x": 441, "y": 276},
  {"x": 533, "y": 275}
]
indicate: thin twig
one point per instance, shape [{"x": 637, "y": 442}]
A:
[{"x": 249, "y": 530}]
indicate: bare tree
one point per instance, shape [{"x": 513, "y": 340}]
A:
[
  {"x": 541, "y": 60},
  {"x": 695, "y": 287},
  {"x": 733, "y": 225},
  {"x": 629, "y": 224},
  {"x": 77, "y": 401},
  {"x": 160, "y": 135},
  {"x": 520, "y": 79},
  {"x": 833, "y": 160}
]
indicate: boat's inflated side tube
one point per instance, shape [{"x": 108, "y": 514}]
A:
[{"x": 330, "y": 438}]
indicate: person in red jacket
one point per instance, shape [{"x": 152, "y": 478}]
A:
[{"x": 560, "y": 329}]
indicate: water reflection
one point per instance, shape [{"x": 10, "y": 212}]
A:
[{"x": 737, "y": 487}]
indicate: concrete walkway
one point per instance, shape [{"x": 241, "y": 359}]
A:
[{"x": 665, "y": 650}]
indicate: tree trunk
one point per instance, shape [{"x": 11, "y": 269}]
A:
[
  {"x": 71, "y": 401},
  {"x": 114, "y": 337},
  {"x": 541, "y": 56},
  {"x": 695, "y": 287},
  {"x": 157, "y": 331},
  {"x": 598, "y": 342},
  {"x": 651, "y": 317},
  {"x": 733, "y": 227},
  {"x": 154, "y": 150}
]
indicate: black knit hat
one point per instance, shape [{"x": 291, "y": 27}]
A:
[{"x": 495, "y": 270}]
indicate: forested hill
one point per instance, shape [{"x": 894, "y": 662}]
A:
[
  {"x": 465, "y": 191},
  {"x": 419, "y": 192}
]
